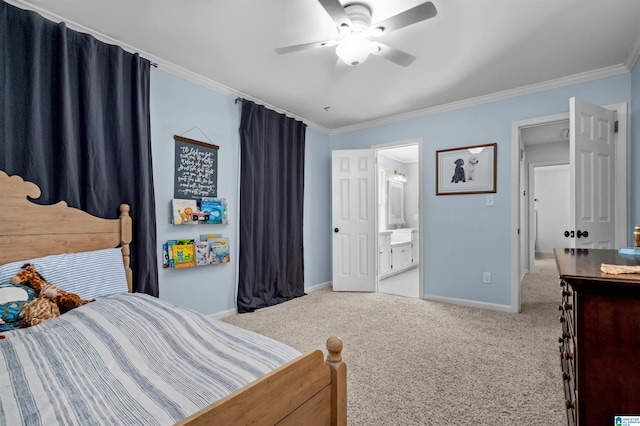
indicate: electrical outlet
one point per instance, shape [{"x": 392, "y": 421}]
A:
[{"x": 486, "y": 278}]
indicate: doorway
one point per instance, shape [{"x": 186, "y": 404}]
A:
[
  {"x": 523, "y": 254},
  {"x": 545, "y": 148},
  {"x": 398, "y": 195}
]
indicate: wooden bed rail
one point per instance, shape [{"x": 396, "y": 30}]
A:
[{"x": 305, "y": 391}]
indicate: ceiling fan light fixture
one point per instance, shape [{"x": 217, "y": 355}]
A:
[{"x": 355, "y": 50}]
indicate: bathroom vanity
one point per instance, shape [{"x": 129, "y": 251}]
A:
[{"x": 398, "y": 251}]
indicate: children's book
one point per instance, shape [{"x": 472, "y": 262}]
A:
[
  {"x": 165, "y": 255},
  {"x": 216, "y": 209},
  {"x": 170, "y": 245},
  {"x": 202, "y": 253},
  {"x": 205, "y": 237},
  {"x": 184, "y": 255},
  {"x": 219, "y": 250},
  {"x": 183, "y": 211}
]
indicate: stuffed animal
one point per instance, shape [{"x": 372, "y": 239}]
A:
[
  {"x": 28, "y": 276},
  {"x": 42, "y": 308}
]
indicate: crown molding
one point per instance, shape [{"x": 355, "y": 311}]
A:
[
  {"x": 632, "y": 56},
  {"x": 524, "y": 90}
]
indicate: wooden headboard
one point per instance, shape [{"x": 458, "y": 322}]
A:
[{"x": 29, "y": 230}]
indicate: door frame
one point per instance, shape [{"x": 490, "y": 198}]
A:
[
  {"x": 396, "y": 144},
  {"x": 620, "y": 185}
]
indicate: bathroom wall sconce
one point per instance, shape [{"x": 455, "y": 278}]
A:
[{"x": 399, "y": 176}]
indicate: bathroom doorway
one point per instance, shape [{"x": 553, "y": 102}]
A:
[{"x": 399, "y": 203}]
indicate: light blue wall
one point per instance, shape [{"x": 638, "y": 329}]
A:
[
  {"x": 462, "y": 236},
  {"x": 180, "y": 107}
]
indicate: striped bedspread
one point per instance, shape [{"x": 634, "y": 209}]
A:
[{"x": 127, "y": 359}]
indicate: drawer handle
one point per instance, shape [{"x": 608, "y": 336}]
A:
[
  {"x": 562, "y": 319},
  {"x": 563, "y": 337},
  {"x": 567, "y": 355},
  {"x": 565, "y": 376},
  {"x": 566, "y": 306},
  {"x": 566, "y": 293},
  {"x": 569, "y": 404}
]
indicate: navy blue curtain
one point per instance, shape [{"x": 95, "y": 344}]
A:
[
  {"x": 74, "y": 120},
  {"x": 271, "y": 267}
]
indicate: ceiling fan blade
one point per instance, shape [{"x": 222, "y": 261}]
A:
[
  {"x": 394, "y": 55},
  {"x": 336, "y": 12},
  {"x": 408, "y": 17},
  {"x": 306, "y": 46}
]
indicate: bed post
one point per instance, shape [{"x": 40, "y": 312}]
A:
[
  {"x": 125, "y": 239},
  {"x": 338, "y": 381}
]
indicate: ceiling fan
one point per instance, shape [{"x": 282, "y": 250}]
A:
[{"x": 353, "y": 21}]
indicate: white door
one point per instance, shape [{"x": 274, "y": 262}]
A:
[
  {"x": 592, "y": 155},
  {"x": 353, "y": 218}
]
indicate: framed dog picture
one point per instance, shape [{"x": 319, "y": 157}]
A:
[{"x": 466, "y": 170}]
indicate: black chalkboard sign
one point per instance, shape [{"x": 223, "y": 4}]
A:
[{"x": 196, "y": 169}]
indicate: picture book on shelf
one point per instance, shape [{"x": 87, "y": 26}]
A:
[
  {"x": 219, "y": 250},
  {"x": 202, "y": 253},
  {"x": 184, "y": 255},
  {"x": 216, "y": 208},
  {"x": 205, "y": 237},
  {"x": 183, "y": 211},
  {"x": 165, "y": 255},
  {"x": 170, "y": 245}
]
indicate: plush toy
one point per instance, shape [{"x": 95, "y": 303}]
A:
[
  {"x": 13, "y": 298},
  {"x": 64, "y": 301},
  {"x": 42, "y": 308}
]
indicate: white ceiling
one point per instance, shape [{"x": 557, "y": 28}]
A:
[{"x": 471, "y": 49}]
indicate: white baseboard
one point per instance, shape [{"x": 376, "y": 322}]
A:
[
  {"x": 470, "y": 303},
  {"x": 223, "y": 314},
  {"x": 317, "y": 287}
]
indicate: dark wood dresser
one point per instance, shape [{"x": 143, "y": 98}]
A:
[{"x": 600, "y": 341}]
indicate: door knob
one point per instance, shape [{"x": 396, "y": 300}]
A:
[
  {"x": 582, "y": 234},
  {"x": 336, "y": 230}
]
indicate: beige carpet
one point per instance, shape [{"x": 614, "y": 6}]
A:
[{"x": 417, "y": 362}]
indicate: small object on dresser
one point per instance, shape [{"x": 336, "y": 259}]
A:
[
  {"x": 633, "y": 251},
  {"x": 636, "y": 234}
]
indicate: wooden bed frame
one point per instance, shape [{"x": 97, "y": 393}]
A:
[{"x": 306, "y": 391}]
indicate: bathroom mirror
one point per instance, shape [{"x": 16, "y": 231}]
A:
[{"x": 396, "y": 203}]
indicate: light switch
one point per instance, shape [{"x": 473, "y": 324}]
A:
[{"x": 490, "y": 199}]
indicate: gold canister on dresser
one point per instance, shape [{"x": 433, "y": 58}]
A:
[{"x": 636, "y": 234}]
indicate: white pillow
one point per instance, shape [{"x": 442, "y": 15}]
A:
[{"x": 88, "y": 274}]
